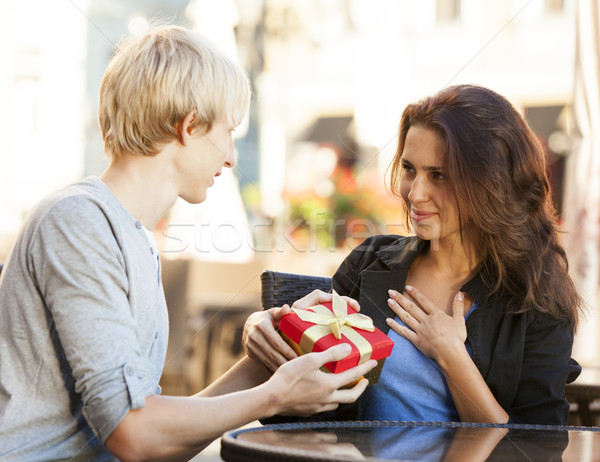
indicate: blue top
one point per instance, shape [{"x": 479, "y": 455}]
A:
[{"x": 411, "y": 386}]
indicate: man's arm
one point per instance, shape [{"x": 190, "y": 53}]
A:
[{"x": 172, "y": 426}]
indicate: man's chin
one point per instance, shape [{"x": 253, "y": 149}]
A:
[{"x": 198, "y": 199}]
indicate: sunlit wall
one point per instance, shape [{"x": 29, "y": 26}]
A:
[{"x": 42, "y": 45}]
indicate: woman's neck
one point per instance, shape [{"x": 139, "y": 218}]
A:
[{"x": 452, "y": 257}]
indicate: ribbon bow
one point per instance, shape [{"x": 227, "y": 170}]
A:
[{"x": 338, "y": 318}]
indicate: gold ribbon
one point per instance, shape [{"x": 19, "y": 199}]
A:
[{"x": 338, "y": 322}]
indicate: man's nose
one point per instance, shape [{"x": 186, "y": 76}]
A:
[{"x": 230, "y": 158}]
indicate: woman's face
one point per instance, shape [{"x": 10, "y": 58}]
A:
[{"x": 425, "y": 189}]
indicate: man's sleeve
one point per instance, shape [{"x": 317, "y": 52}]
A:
[{"x": 81, "y": 274}]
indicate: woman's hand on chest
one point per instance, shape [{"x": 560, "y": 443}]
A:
[{"x": 429, "y": 327}]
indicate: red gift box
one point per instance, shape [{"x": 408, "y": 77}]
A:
[{"x": 307, "y": 336}]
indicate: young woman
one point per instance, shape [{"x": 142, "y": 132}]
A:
[{"x": 478, "y": 301}]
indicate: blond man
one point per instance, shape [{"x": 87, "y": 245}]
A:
[{"x": 83, "y": 320}]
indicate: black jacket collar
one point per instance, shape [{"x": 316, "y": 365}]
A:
[{"x": 399, "y": 255}]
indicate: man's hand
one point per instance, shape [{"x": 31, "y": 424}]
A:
[{"x": 302, "y": 388}]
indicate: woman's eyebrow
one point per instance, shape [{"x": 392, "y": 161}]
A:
[
  {"x": 427, "y": 168},
  {"x": 433, "y": 167}
]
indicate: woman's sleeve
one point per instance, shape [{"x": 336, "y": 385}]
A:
[
  {"x": 81, "y": 275},
  {"x": 547, "y": 367}
]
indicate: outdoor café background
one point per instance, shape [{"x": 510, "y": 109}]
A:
[{"x": 330, "y": 79}]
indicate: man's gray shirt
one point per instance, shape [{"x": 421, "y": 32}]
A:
[{"x": 83, "y": 326}]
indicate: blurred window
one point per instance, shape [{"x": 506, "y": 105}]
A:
[
  {"x": 554, "y": 6},
  {"x": 447, "y": 10}
]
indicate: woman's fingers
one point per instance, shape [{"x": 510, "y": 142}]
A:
[
  {"x": 312, "y": 299},
  {"x": 407, "y": 310},
  {"x": 278, "y": 313},
  {"x": 352, "y": 303},
  {"x": 432, "y": 332},
  {"x": 420, "y": 300},
  {"x": 262, "y": 342},
  {"x": 318, "y": 296},
  {"x": 458, "y": 306},
  {"x": 402, "y": 330}
]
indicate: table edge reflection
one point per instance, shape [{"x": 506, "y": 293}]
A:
[{"x": 233, "y": 448}]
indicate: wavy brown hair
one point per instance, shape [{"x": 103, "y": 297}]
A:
[{"x": 497, "y": 171}]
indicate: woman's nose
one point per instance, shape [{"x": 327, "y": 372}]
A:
[{"x": 418, "y": 190}]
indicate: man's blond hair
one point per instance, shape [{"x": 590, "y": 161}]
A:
[{"x": 154, "y": 81}]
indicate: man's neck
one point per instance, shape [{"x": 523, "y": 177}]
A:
[{"x": 141, "y": 184}]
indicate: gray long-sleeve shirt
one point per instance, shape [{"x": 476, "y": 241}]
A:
[{"x": 83, "y": 326}]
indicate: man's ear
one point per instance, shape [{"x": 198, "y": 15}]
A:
[{"x": 185, "y": 129}]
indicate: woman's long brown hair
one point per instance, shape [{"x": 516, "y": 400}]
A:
[{"x": 497, "y": 171}]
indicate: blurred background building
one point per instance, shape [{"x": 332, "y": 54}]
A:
[{"x": 330, "y": 80}]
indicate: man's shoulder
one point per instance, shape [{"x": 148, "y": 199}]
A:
[
  {"x": 86, "y": 191},
  {"x": 86, "y": 198},
  {"x": 86, "y": 207}
]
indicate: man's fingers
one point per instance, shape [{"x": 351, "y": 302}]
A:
[
  {"x": 355, "y": 373},
  {"x": 314, "y": 410},
  {"x": 329, "y": 407},
  {"x": 349, "y": 395},
  {"x": 335, "y": 353}
]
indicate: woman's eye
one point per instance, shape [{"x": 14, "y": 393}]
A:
[
  {"x": 438, "y": 176},
  {"x": 407, "y": 168}
]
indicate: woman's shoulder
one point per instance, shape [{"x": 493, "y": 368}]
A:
[
  {"x": 391, "y": 242},
  {"x": 383, "y": 252}
]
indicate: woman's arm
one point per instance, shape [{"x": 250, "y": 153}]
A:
[
  {"x": 261, "y": 340},
  {"x": 442, "y": 337},
  {"x": 546, "y": 368}
]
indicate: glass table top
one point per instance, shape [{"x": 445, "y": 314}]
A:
[{"x": 412, "y": 441}]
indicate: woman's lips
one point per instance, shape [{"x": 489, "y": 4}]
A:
[{"x": 417, "y": 216}]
